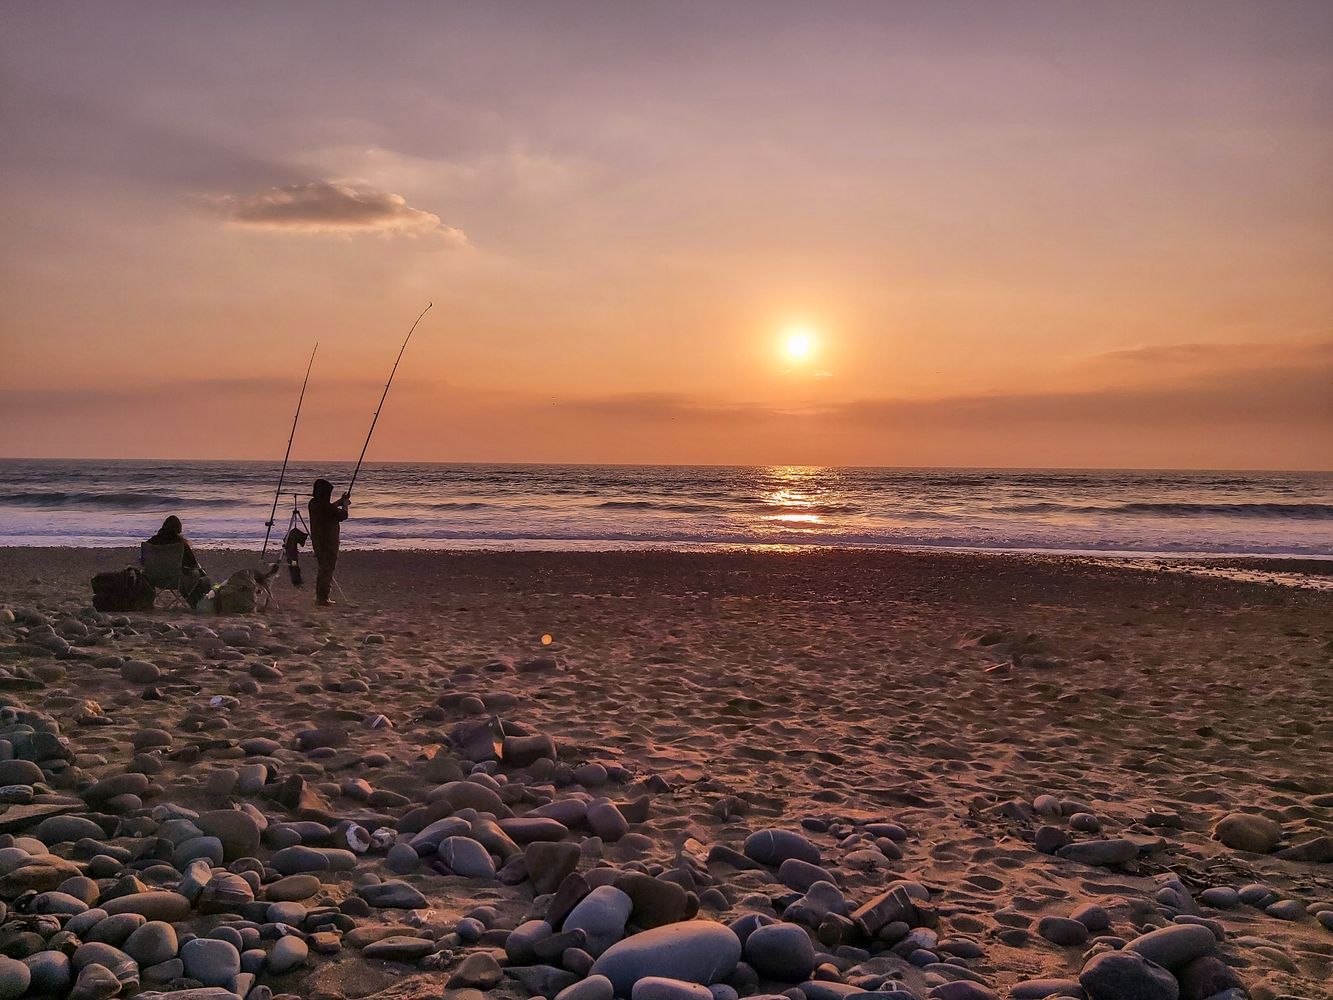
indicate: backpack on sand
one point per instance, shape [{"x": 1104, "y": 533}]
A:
[
  {"x": 237, "y": 596},
  {"x": 122, "y": 590}
]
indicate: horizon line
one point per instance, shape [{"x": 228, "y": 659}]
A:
[{"x": 685, "y": 465}]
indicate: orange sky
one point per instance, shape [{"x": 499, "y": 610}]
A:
[{"x": 1026, "y": 233}]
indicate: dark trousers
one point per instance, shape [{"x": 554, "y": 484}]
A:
[{"x": 327, "y": 560}]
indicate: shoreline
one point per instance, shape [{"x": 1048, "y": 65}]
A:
[{"x": 1296, "y": 571}]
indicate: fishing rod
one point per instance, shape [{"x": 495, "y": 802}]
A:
[
  {"x": 268, "y": 525},
  {"x": 383, "y": 397}
]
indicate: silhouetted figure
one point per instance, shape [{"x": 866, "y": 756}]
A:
[
  {"x": 326, "y": 518},
  {"x": 194, "y": 581},
  {"x": 291, "y": 551}
]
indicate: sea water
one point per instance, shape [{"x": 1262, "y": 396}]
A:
[{"x": 108, "y": 503}]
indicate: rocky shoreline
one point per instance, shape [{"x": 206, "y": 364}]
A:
[{"x": 328, "y": 806}]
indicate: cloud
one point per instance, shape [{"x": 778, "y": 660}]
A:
[
  {"x": 1213, "y": 355},
  {"x": 341, "y": 207},
  {"x": 1274, "y": 417}
]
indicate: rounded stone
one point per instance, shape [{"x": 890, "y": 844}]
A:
[
  {"x": 782, "y": 952},
  {"x": 402, "y": 859},
  {"x": 606, "y": 820},
  {"x": 1171, "y": 947},
  {"x": 466, "y": 857},
  {"x": 195, "y": 849},
  {"x": 801, "y": 875},
  {"x": 237, "y": 831},
  {"x": 1092, "y": 916},
  {"x": 15, "y": 977},
  {"x": 1064, "y": 931},
  {"x": 169, "y": 906},
  {"x": 592, "y": 988},
  {"x": 1114, "y": 851},
  {"x": 697, "y": 951},
  {"x": 20, "y": 772},
  {"x": 601, "y": 915},
  {"x": 140, "y": 672},
  {"x": 96, "y": 982},
  {"x": 152, "y": 943},
  {"x": 212, "y": 962},
  {"x": 289, "y": 953},
  {"x": 1248, "y": 832},
  {"x": 772, "y": 847},
  {"x": 1221, "y": 897},
  {"x": 662, "y": 988},
  {"x": 292, "y": 888},
  {"x": 1117, "y": 975}
]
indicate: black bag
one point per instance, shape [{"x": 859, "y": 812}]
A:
[{"x": 122, "y": 590}]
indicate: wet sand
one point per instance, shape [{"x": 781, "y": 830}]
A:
[{"x": 971, "y": 700}]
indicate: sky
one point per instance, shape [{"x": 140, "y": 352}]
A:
[{"x": 1016, "y": 234}]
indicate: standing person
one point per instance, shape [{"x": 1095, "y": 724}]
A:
[{"x": 326, "y": 517}]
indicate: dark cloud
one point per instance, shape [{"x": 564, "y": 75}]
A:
[
  {"x": 1299, "y": 395},
  {"x": 339, "y": 207}
]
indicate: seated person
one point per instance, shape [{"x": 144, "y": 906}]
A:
[{"x": 194, "y": 581}]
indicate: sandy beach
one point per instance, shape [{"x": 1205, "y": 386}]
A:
[{"x": 1034, "y": 758}]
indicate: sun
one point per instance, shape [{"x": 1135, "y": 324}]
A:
[{"x": 798, "y": 344}]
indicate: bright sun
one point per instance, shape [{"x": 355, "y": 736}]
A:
[{"x": 799, "y": 344}]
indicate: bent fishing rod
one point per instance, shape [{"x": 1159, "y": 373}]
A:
[
  {"x": 383, "y": 397},
  {"x": 268, "y": 525}
]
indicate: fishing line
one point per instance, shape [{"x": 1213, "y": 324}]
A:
[
  {"x": 277, "y": 495},
  {"x": 383, "y": 397}
]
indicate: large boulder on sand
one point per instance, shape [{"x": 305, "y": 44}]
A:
[
  {"x": 696, "y": 951},
  {"x": 1248, "y": 832}
]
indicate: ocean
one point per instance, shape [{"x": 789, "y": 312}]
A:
[{"x": 399, "y": 506}]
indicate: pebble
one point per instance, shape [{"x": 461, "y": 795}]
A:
[
  {"x": 1040, "y": 989},
  {"x": 288, "y": 953},
  {"x": 1064, "y": 931},
  {"x": 1092, "y": 916},
  {"x": 662, "y": 988},
  {"x": 393, "y": 895},
  {"x": 1248, "y": 832},
  {"x": 402, "y": 859},
  {"x": 399, "y": 948},
  {"x": 549, "y": 863},
  {"x": 772, "y": 847},
  {"x": 699, "y": 951},
  {"x": 464, "y": 856},
  {"x": 1049, "y": 839},
  {"x": 1220, "y": 897},
  {"x": 1099, "y": 852},
  {"x": 1085, "y": 823},
  {"x": 1121, "y": 975},
  {"x": 15, "y": 976},
  {"x": 1171, "y": 947},
  {"x": 154, "y": 905},
  {"x": 212, "y": 962},
  {"x": 95, "y": 982},
  {"x": 606, "y": 820},
  {"x": 602, "y": 916},
  {"x": 478, "y": 970},
  {"x": 152, "y": 942},
  {"x": 591, "y": 988},
  {"x": 1286, "y": 909},
  {"x": 780, "y": 951},
  {"x": 656, "y": 901}
]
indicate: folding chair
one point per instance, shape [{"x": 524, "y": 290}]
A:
[{"x": 164, "y": 566}]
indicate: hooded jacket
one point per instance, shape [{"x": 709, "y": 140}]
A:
[{"x": 326, "y": 518}]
